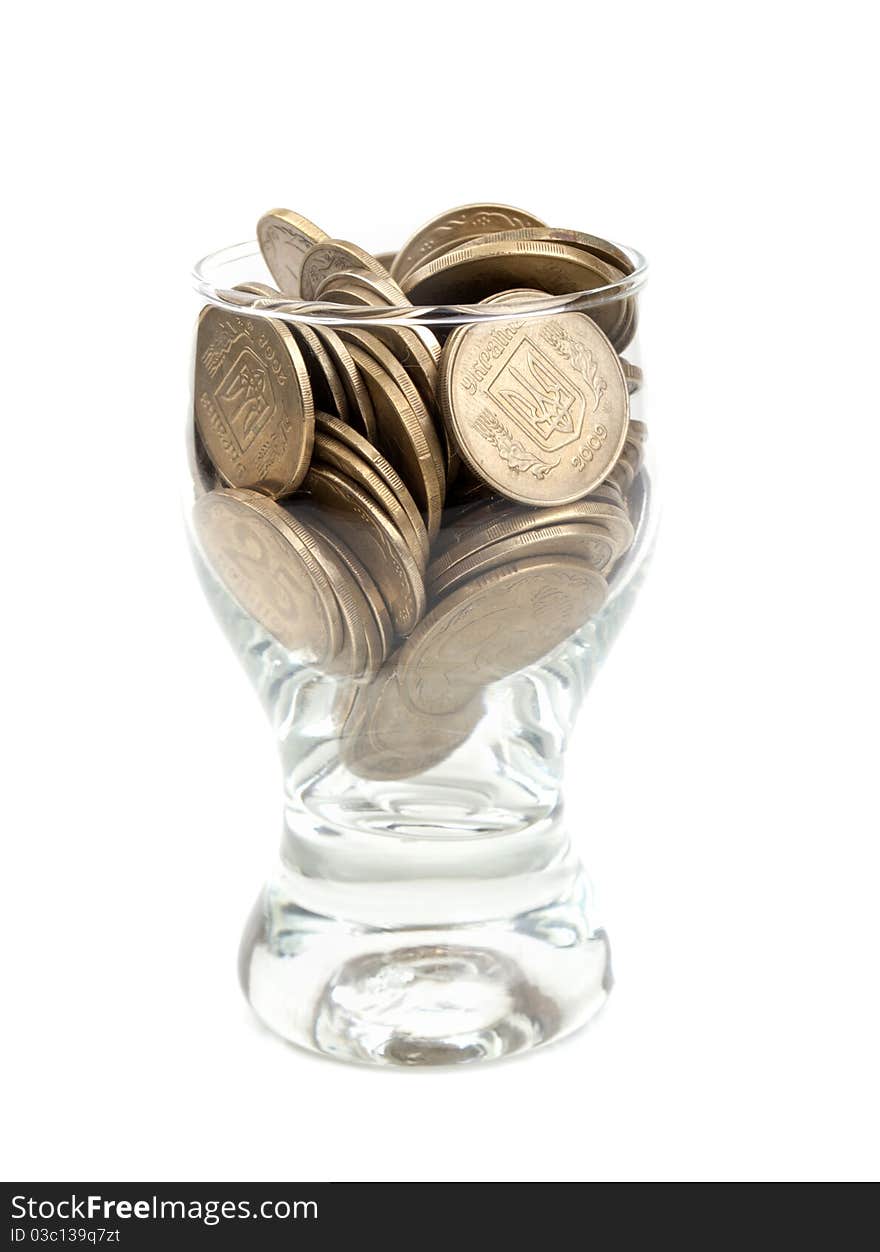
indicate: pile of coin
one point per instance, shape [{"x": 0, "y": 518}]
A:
[{"x": 421, "y": 511}]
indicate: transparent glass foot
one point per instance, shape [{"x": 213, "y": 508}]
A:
[{"x": 419, "y": 995}]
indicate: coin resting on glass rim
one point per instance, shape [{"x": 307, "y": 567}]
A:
[{"x": 418, "y": 508}]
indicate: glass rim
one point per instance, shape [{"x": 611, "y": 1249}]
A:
[{"x": 329, "y": 314}]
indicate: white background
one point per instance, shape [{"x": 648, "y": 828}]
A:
[{"x": 727, "y": 765}]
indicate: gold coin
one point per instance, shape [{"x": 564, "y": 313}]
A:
[
  {"x": 539, "y": 407},
  {"x": 376, "y": 286},
  {"x": 259, "y": 289},
  {"x": 375, "y": 540},
  {"x": 501, "y": 622},
  {"x": 623, "y": 335},
  {"x": 517, "y": 293},
  {"x": 364, "y": 289},
  {"x": 407, "y": 348},
  {"x": 620, "y": 328},
  {"x": 385, "y": 738},
  {"x": 590, "y": 544},
  {"x": 360, "y": 406},
  {"x": 338, "y": 430},
  {"x": 634, "y": 454},
  {"x": 604, "y": 249},
  {"x": 617, "y": 327},
  {"x": 285, "y": 238},
  {"x": 486, "y": 523},
  {"x": 327, "y": 389},
  {"x": 253, "y": 401},
  {"x": 386, "y": 259},
  {"x": 434, "y": 253},
  {"x": 416, "y": 458},
  {"x": 459, "y": 520},
  {"x": 362, "y": 648},
  {"x": 335, "y": 454},
  {"x": 330, "y": 256},
  {"x": 450, "y": 451},
  {"x": 267, "y": 563},
  {"x": 608, "y": 492},
  {"x": 378, "y": 611},
  {"x": 637, "y": 500},
  {"x": 427, "y": 338},
  {"x": 353, "y": 658},
  {"x": 585, "y": 538},
  {"x": 455, "y": 226},
  {"x": 416, "y": 347},
  {"x": 618, "y": 318},
  {"x": 420, "y": 360},
  {"x": 470, "y": 490},
  {"x": 381, "y": 353},
  {"x": 633, "y": 375},
  {"x": 473, "y": 272},
  {"x": 622, "y": 475}
]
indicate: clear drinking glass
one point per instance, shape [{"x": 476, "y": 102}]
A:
[{"x": 428, "y": 906}]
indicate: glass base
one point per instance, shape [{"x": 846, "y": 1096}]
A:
[{"x": 423, "y": 995}]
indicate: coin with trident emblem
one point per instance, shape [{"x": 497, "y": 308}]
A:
[{"x": 538, "y": 407}]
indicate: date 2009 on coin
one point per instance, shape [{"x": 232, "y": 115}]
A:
[{"x": 584, "y": 454}]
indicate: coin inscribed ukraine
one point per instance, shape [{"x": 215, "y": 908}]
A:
[
  {"x": 539, "y": 406},
  {"x": 253, "y": 401}
]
